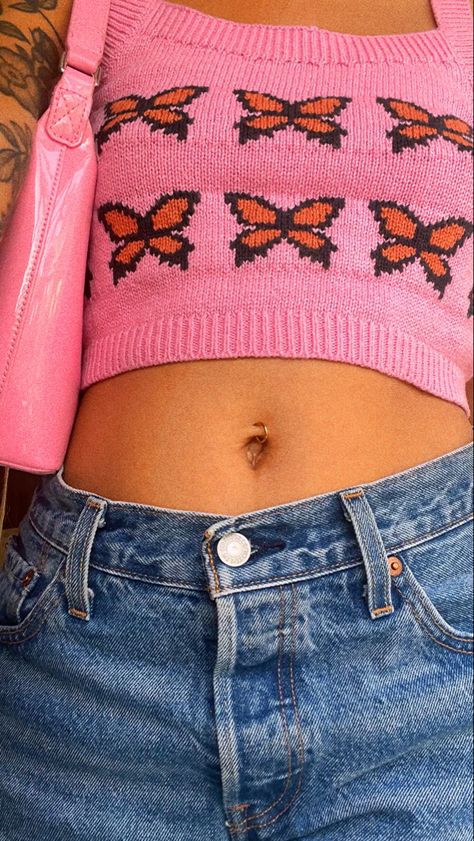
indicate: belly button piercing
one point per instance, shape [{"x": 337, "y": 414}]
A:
[
  {"x": 259, "y": 438},
  {"x": 256, "y": 445}
]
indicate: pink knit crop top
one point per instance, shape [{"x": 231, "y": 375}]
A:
[{"x": 283, "y": 191}]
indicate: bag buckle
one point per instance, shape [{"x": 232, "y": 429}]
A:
[{"x": 63, "y": 65}]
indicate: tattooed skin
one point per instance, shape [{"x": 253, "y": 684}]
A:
[
  {"x": 32, "y": 36},
  {"x": 15, "y": 155}
]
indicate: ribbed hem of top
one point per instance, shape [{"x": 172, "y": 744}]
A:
[
  {"x": 305, "y": 44},
  {"x": 276, "y": 333}
]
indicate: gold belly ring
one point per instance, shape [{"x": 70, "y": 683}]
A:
[
  {"x": 259, "y": 438},
  {"x": 255, "y": 445}
]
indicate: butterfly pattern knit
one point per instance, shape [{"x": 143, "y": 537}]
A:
[{"x": 282, "y": 191}]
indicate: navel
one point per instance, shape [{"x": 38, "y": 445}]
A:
[{"x": 256, "y": 445}]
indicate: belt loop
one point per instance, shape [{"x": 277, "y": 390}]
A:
[
  {"x": 379, "y": 585},
  {"x": 78, "y": 592}
]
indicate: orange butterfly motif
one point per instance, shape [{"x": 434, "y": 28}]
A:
[
  {"x": 408, "y": 239},
  {"x": 419, "y": 127},
  {"x": 267, "y": 114},
  {"x": 265, "y": 225},
  {"x": 163, "y": 110},
  {"x": 155, "y": 232}
]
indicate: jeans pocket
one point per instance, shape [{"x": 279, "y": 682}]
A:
[
  {"x": 435, "y": 580},
  {"x": 31, "y": 584}
]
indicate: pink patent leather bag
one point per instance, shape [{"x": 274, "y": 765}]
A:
[{"x": 43, "y": 262}]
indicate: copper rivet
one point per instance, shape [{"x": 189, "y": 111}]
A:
[
  {"x": 396, "y": 566},
  {"x": 27, "y": 578}
]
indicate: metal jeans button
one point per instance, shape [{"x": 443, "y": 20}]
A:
[{"x": 234, "y": 549}]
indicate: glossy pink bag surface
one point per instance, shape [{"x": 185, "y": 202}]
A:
[{"x": 43, "y": 263}]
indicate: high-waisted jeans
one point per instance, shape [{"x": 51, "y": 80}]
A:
[{"x": 296, "y": 672}]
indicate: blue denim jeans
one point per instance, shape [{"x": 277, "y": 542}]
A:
[{"x": 296, "y": 672}]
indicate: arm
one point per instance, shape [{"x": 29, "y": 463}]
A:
[
  {"x": 32, "y": 36},
  {"x": 470, "y": 398}
]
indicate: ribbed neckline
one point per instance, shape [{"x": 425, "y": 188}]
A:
[
  {"x": 302, "y": 43},
  {"x": 272, "y": 26}
]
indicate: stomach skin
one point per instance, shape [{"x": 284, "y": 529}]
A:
[{"x": 182, "y": 435}]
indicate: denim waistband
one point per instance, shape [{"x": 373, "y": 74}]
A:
[{"x": 288, "y": 542}]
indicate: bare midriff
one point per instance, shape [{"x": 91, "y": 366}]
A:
[{"x": 182, "y": 435}]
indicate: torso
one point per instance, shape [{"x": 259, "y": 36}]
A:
[{"x": 177, "y": 435}]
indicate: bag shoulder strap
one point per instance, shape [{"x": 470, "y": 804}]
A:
[{"x": 86, "y": 34}]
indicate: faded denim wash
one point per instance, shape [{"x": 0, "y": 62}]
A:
[{"x": 321, "y": 690}]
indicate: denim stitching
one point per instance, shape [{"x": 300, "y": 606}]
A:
[
  {"x": 317, "y": 570},
  {"x": 85, "y": 611},
  {"x": 40, "y": 533},
  {"x": 319, "y": 573},
  {"x": 445, "y": 632},
  {"x": 282, "y": 812},
  {"x": 373, "y": 611},
  {"x": 142, "y": 577},
  {"x": 37, "y": 607},
  {"x": 214, "y": 570},
  {"x": 433, "y": 619},
  {"x": 301, "y": 751},
  {"x": 243, "y": 824},
  {"x": 267, "y": 823},
  {"x": 150, "y": 579},
  {"x": 433, "y": 533},
  {"x": 69, "y": 555},
  {"x": 425, "y": 630},
  {"x": 82, "y": 610},
  {"x": 23, "y": 639},
  {"x": 153, "y": 580},
  {"x": 18, "y": 598},
  {"x": 247, "y": 824},
  {"x": 139, "y": 576},
  {"x": 387, "y": 607},
  {"x": 44, "y": 556},
  {"x": 38, "y": 568},
  {"x": 347, "y": 565},
  {"x": 361, "y": 540},
  {"x": 81, "y": 614}
]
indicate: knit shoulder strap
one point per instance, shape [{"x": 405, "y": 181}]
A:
[{"x": 455, "y": 20}]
